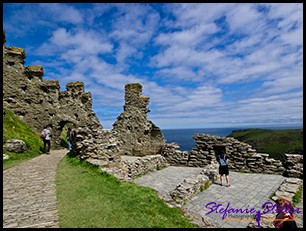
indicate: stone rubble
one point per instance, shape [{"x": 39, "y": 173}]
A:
[{"x": 191, "y": 186}]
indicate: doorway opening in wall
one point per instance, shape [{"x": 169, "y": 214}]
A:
[{"x": 64, "y": 125}]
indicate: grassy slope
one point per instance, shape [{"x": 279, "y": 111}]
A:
[
  {"x": 273, "y": 142},
  {"x": 14, "y": 128},
  {"x": 89, "y": 198}
]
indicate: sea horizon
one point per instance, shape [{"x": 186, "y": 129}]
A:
[{"x": 184, "y": 136}]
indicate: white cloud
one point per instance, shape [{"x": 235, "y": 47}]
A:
[
  {"x": 60, "y": 12},
  {"x": 86, "y": 42},
  {"x": 243, "y": 18},
  {"x": 203, "y": 96},
  {"x": 187, "y": 62},
  {"x": 192, "y": 14}
]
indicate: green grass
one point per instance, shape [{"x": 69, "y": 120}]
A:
[
  {"x": 14, "y": 128},
  {"x": 297, "y": 196},
  {"x": 90, "y": 198},
  {"x": 205, "y": 185},
  {"x": 274, "y": 142}
]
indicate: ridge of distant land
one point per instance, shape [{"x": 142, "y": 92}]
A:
[{"x": 277, "y": 143}]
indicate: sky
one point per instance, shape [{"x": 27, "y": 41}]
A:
[{"x": 203, "y": 65}]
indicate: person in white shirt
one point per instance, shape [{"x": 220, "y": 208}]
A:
[{"x": 47, "y": 140}]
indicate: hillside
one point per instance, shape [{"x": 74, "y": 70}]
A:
[
  {"x": 14, "y": 128},
  {"x": 274, "y": 142}
]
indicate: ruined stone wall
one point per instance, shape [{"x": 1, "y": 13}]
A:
[
  {"x": 132, "y": 134},
  {"x": 139, "y": 136},
  {"x": 242, "y": 157},
  {"x": 102, "y": 147},
  {"x": 39, "y": 102},
  {"x": 96, "y": 146},
  {"x": 196, "y": 158}
]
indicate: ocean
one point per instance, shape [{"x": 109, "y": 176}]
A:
[{"x": 183, "y": 137}]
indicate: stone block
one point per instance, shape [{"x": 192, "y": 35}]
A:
[{"x": 15, "y": 145}]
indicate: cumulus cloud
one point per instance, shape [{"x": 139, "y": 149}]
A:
[
  {"x": 201, "y": 64},
  {"x": 60, "y": 12}
]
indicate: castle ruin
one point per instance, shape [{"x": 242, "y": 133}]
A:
[{"x": 40, "y": 102}]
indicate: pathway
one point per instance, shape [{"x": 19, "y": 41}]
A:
[{"x": 29, "y": 196}]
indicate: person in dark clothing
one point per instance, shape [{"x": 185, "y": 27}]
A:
[
  {"x": 223, "y": 167},
  {"x": 69, "y": 138}
]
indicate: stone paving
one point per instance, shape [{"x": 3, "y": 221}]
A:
[
  {"x": 247, "y": 190},
  {"x": 167, "y": 179},
  {"x": 29, "y": 196}
]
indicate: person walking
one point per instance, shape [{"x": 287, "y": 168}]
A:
[
  {"x": 68, "y": 135},
  {"x": 46, "y": 135},
  {"x": 223, "y": 167}
]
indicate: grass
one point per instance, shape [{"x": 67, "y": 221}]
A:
[
  {"x": 297, "y": 196},
  {"x": 274, "y": 142},
  {"x": 14, "y": 128},
  {"x": 90, "y": 198},
  {"x": 205, "y": 185}
]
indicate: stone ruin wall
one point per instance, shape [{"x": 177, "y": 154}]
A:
[
  {"x": 242, "y": 157},
  {"x": 96, "y": 146},
  {"x": 132, "y": 134},
  {"x": 103, "y": 148},
  {"x": 139, "y": 136},
  {"x": 40, "y": 102}
]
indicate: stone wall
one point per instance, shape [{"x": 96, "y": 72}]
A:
[
  {"x": 193, "y": 185},
  {"x": 139, "y": 136},
  {"x": 96, "y": 146},
  {"x": 40, "y": 102},
  {"x": 196, "y": 158},
  {"x": 242, "y": 157},
  {"x": 131, "y": 166}
]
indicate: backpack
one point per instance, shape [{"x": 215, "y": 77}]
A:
[
  {"x": 43, "y": 134},
  {"x": 222, "y": 160}
]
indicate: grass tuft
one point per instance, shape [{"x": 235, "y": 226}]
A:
[{"x": 297, "y": 196}]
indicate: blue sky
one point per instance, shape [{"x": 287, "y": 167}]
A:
[{"x": 202, "y": 65}]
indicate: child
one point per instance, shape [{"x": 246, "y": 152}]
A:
[{"x": 284, "y": 217}]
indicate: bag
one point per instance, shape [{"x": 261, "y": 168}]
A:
[
  {"x": 42, "y": 134},
  {"x": 222, "y": 161}
]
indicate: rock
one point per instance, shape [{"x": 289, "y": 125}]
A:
[
  {"x": 293, "y": 181},
  {"x": 14, "y": 145},
  {"x": 5, "y": 156}
]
